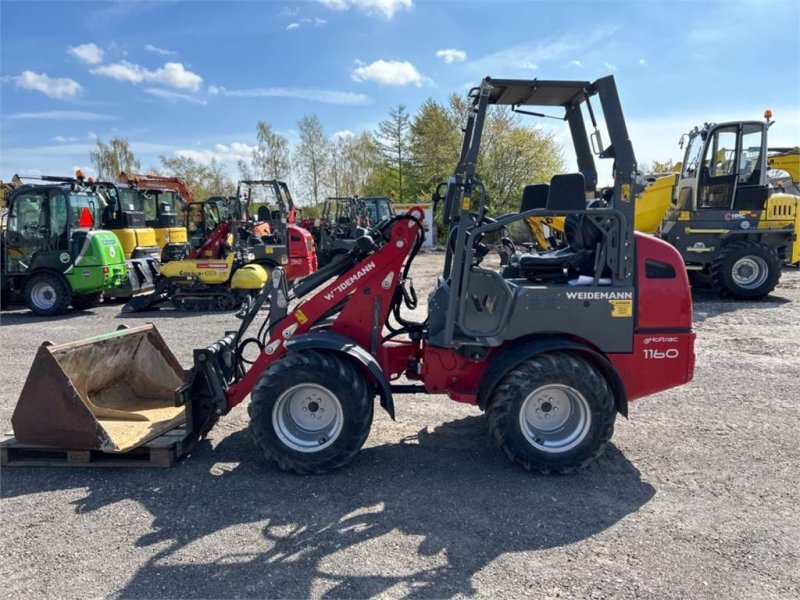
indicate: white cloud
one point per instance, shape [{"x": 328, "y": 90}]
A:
[
  {"x": 88, "y": 53},
  {"x": 157, "y": 50},
  {"x": 316, "y": 21},
  {"x": 61, "y": 139},
  {"x": 345, "y": 133},
  {"x": 171, "y": 96},
  {"x": 312, "y": 94},
  {"x": 221, "y": 152},
  {"x": 388, "y": 72},
  {"x": 519, "y": 58},
  {"x": 451, "y": 55},
  {"x": 643, "y": 62},
  {"x": 530, "y": 66},
  {"x": 576, "y": 63},
  {"x": 287, "y": 11},
  {"x": 172, "y": 74},
  {"x": 61, "y": 87},
  {"x": 63, "y": 115},
  {"x": 610, "y": 67},
  {"x": 381, "y": 8}
]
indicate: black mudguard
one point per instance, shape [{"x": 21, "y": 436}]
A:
[{"x": 336, "y": 342}]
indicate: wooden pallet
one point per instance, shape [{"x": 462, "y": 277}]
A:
[{"x": 163, "y": 451}]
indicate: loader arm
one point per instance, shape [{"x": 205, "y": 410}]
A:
[{"x": 364, "y": 293}]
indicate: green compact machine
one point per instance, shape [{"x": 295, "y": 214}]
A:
[{"x": 51, "y": 251}]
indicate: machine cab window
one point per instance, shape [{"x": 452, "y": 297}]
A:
[{"x": 750, "y": 155}]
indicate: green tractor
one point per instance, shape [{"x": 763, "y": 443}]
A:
[{"x": 50, "y": 250}]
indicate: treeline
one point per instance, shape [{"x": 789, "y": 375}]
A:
[{"x": 405, "y": 157}]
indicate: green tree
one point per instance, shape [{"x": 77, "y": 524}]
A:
[
  {"x": 663, "y": 167},
  {"x": 109, "y": 159},
  {"x": 271, "y": 156},
  {"x": 394, "y": 138},
  {"x": 312, "y": 157},
  {"x": 435, "y": 144},
  {"x": 356, "y": 159},
  {"x": 204, "y": 180},
  {"x": 512, "y": 156}
]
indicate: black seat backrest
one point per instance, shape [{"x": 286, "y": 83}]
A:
[
  {"x": 567, "y": 192},
  {"x": 263, "y": 213},
  {"x": 534, "y": 196}
]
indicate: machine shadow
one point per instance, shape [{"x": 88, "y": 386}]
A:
[
  {"x": 450, "y": 501},
  {"x": 706, "y": 304},
  {"x": 12, "y": 316}
]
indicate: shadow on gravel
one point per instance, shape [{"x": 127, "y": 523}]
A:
[
  {"x": 450, "y": 488},
  {"x": 170, "y": 313},
  {"x": 706, "y": 304},
  {"x": 27, "y": 317}
]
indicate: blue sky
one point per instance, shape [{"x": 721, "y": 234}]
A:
[{"x": 195, "y": 77}]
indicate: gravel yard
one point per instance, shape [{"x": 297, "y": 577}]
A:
[{"x": 697, "y": 497}]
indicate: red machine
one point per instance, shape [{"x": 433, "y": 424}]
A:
[{"x": 552, "y": 347}]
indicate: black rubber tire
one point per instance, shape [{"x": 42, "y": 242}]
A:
[
  {"x": 86, "y": 301},
  {"x": 336, "y": 373},
  {"x": 59, "y": 286},
  {"x": 699, "y": 279},
  {"x": 722, "y": 281},
  {"x": 508, "y": 397},
  {"x": 6, "y": 299}
]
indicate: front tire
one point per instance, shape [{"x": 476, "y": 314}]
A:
[
  {"x": 47, "y": 294},
  {"x": 553, "y": 413},
  {"x": 745, "y": 271},
  {"x": 311, "y": 411}
]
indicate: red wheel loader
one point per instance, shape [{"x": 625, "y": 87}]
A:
[{"x": 552, "y": 348}]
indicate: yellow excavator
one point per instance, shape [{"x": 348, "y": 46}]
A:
[{"x": 784, "y": 169}]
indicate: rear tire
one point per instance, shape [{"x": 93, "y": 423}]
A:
[
  {"x": 553, "y": 413},
  {"x": 311, "y": 411},
  {"x": 86, "y": 301},
  {"x": 47, "y": 294},
  {"x": 745, "y": 271}
]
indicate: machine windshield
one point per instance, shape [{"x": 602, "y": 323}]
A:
[{"x": 81, "y": 205}]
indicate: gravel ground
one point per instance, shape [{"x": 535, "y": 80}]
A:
[{"x": 696, "y": 498}]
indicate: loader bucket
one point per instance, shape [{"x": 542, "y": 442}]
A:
[{"x": 111, "y": 392}]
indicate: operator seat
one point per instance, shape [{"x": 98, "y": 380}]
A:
[
  {"x": 263, "y": 213},
  {"x": 534, "y": 196},
  {"x": 566, "y": 193}
]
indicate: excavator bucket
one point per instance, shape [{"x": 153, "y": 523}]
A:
[{"x": 112, "y": 392}]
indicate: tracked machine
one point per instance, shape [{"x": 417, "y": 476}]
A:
[
  {"x": 216, "y": 273},
  {"x": 551, "y": 363}
]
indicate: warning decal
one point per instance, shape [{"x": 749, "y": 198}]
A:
[{"x": 621, "y": 308}]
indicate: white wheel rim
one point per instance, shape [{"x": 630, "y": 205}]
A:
[
  {"x": 555, "y": 418},
  {"x": 750, "y": 272},
  {"x": 43, "y": 296},
  {"x": 307, "y": 417}
]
